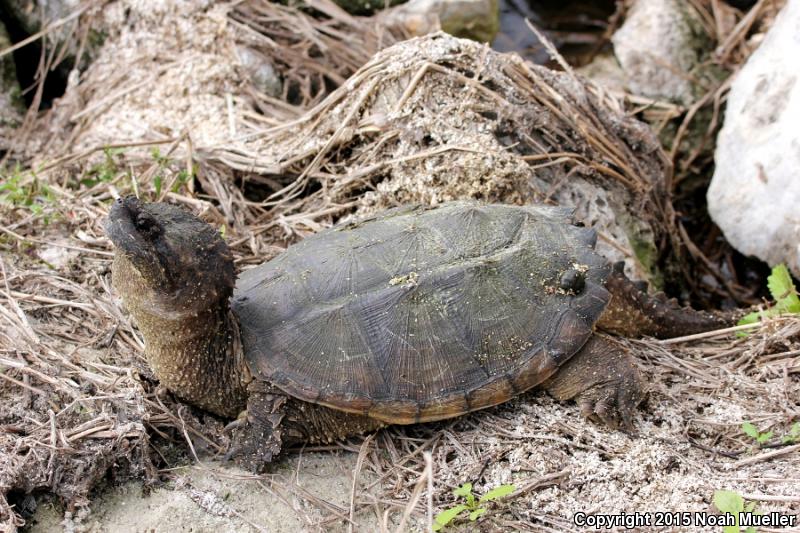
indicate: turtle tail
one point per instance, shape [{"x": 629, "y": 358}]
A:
[{"x": 634, "y": 313}]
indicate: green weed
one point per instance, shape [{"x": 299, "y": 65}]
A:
[
  {"x": 784, "y": 293},
  {"x": 164, "y": 163},
  {"x": 471, "y": 505},
  {"x": 793, "y": 435},
  {"x": 104, "y": 172},
  {"x": 32, "y": 195},
  {"x": 751, "y": 431},
  {"x": 731, "y": 502}
]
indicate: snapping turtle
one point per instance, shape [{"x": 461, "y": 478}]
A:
[{"x": 414, "y": 315}]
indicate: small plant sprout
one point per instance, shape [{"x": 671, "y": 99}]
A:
[
  {"x": 106, "y": 171},
  {"x": 184, "y": 177},
  {"x": 24, "y": 191},
  {"x": 155, "y": 153},
  {"x": 157, "y": 182},
  {"x": 163, "y": 169},
  {"x": 751, "y": 431},
  {"x": 731, "y": 502},
  {"x": 470, "y": 504},
  {"x": 784, "y": 293},
  {"x": 793, "y": 435}
]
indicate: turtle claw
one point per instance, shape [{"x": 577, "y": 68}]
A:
[
  {"x": 603, "y": 379},
  {"x": 256, "y": 433},
  {"x": 253, "y": 445},
  {"x": 607, "y": 409},
  {"x": 236, "y": 424}
]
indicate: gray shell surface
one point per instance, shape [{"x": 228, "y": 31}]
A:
[{"x": 420, "y": 314}]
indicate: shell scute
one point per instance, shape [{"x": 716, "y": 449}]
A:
[{"x": 423, "y": 313}]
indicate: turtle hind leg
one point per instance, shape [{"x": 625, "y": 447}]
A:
[
  {"x": 256, "y": 439},
  {"x": 603, "y": 379}
]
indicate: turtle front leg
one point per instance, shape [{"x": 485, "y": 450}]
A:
[
  {"x": 603, "y": 379},
  {"x": 256, "y": 436}
]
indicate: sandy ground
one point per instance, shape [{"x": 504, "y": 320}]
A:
[
  {"x": 686, "y": 449},
  {"x": 219, "y": 497}
]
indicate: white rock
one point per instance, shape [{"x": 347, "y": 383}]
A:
[
  {"x": 754, "y": 196},
  {"x": 260, "y": 70},
  {"x": 659, "y": 42},
  {"x": 478, "y": 20}
]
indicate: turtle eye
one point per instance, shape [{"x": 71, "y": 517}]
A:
[{"x": 572, "y": 280}]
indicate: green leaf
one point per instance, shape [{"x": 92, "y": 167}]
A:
[
  {"x": 749, "y": 318},
  {"x": 476, "y": 513},
  {"x": 464, "y": 490},
  {"x": 753, "y": 318},
  {"x": 182, "y": 179},
  {"x": 764, "y": 437},
  {"x": 471, "y": 501},
  {"x": 497, "y": 492},
  {"x": 728, "y": 501},
  {"x": 157, "y": 179},
  {"x": 445, "y": 517},
  {"x": 749, "y": 507},
  {"x": 750, "y": 529},
  {"x": 782, "y": 289},
  {"x": 750, "y": 430}
]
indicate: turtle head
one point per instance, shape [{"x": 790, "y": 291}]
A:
[{"x": 168, "y": 259}]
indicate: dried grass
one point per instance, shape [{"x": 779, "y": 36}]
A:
[
  {"x": 436, "y": 119},
  {"x": 690, "y": 440},
  {"x": 78, "y": 403}
]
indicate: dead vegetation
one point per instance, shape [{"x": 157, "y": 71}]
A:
[
  {"x": 78, "y": 403},
  {"x": 714, "y": 274}
]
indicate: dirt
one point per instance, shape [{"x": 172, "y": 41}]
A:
[
  {"x": 561, "y": 464},
  {"x": 219, "y": 497}
]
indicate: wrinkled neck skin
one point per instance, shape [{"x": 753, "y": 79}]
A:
[{"x": 195, "y": 353}]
